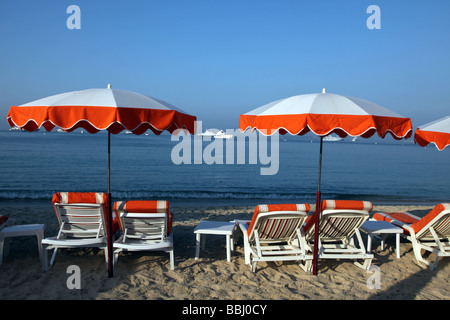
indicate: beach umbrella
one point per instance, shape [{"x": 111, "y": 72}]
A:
[
  {"x": 96, "y": 110},
  {"x": 323, "y": 114},
  {"x": 437, "y": 132}
]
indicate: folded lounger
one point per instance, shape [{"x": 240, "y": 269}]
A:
[
  {"x": 81, "y": 218},
  {"x": 274, "y": 235},
  {"x": 432, "y": 232},
  {"x": 339, "y": 222},
  {"x": 146, "y": 226}
]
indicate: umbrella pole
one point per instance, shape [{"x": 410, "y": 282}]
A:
[
  {"x": 109, "y": 218},
  {"x": 316, "y": 214}
]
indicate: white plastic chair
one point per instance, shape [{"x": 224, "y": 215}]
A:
[
  {"x": 81, "y": 220},
  {"x": 146, "y": 226},
  {"x": 274, "y": 235},
  {"x": 339, "y": 223},
  {"x": 431, "y": 233}
]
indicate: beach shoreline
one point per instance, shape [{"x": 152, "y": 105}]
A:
[{"x": 147, "y": 276}]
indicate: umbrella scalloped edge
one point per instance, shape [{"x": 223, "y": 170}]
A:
[
  {"x": 322, "y": 125},
  {"x": 113, "y": 120},
  {"x": 440, "y": 139}
]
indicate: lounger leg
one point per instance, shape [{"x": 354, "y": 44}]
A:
[
  {"x": 42, "y": 257},
  {"x": 397, "y": 244},
  {"x": 197, "y": 245},
  {"x": 369, "y": 243},
  {"x": 253, "y": 266},
  {"x": 228, "y": 248},
  {"x": 52, "y": 260},
  {"x": 116, "y": 256},
  {"x": 172, "y": 260},
  {"x": 306, "y": 265},
  {"x": 2, "y": 240},
  {"x": 106, "y": 257}
]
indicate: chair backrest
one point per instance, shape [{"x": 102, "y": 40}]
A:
[
  {"x": 148, "y": 221},
  {"x": 339, "y": 219},
  {"x": 438, "y": 219},
  {"x": 80, "y": 214},
  {"x": 277, "y": 222}
]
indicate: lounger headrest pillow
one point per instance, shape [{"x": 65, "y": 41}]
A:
[
  {"x": 346, "y": 204},
  {"x": 143, "y": 206},
  {"x": 80, "y": 197},
  {"x": 281, "y": 207}
]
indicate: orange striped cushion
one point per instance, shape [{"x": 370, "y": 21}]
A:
[
  {"x": 143, "y": 206},
  {"x": 346, "y": 205},
  {"x": 430, "y": 216},
  {"x": 415, "y": 224},
  {"x": 275, "y": 207}
]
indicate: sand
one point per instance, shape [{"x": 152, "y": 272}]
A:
[{"x": 147, "y": 276}]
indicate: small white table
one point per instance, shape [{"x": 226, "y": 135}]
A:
[
  {"x": 215, "y": 228},
  {"x": 24, "y": 230},
  {"x": 373, "y": 227}
]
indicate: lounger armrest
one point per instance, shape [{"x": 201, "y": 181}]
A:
[{"x": 244, "y": 229}]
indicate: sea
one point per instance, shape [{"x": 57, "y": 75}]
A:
[{"x": 198, "y": 171}]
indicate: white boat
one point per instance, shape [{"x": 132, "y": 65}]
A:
[
  {"x": 216, "y": 133},
  {"x": 332, "y": 138}
]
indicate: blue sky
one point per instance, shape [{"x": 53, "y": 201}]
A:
[{"x": 218, "y": 59}]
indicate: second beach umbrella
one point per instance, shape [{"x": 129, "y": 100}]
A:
[
  {"x": 95, "y": 110},
  {"x": 437, "y": 132},
  {"x": 323, "y": 114}
]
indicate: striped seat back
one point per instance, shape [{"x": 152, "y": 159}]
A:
[
  {"x": 144, "y": 220},
  {"x": 339, "y": 219},
  {"x": 277, "y": 222},
  {"x": 81, "y": 214},
  {"x": 438, "y": 219}
]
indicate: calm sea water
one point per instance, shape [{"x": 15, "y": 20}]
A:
[{"x": 34, "y": 165}]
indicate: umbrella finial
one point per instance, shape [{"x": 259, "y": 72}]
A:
[
  {"x": 109, "y": 85},
  {"x": 324, "y": 90}
]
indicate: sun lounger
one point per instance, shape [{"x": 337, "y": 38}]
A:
[
  {"x": 81, "y": 217},
  {"x": 274, "y": 235},
  {"x": 432, "y": 232},
  {"x": 146, "y": 226},
  {"x": 339, "y": 222}
]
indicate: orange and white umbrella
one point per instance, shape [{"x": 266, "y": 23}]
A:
[
  {"x": 101, "y": 109},
  {"x": 323, "y": 114},
  {"x": 437, "y": 132}
]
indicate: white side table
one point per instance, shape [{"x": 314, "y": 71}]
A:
[
  {"x": 384, "y": 228},
  {"x": 215, "y": 228},
  {"x": 24, "y": 230}
]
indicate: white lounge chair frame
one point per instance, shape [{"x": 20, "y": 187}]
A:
[
  {"x": 286, "y": 246},
  {"x": 434, "y": 237},
  {"x": 145, "y": 232},
  {"x": 81, "y": 226},
  {"x": 337, "y": 229}
]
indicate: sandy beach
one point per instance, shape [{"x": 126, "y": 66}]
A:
[{"x": 147, "y": 276}]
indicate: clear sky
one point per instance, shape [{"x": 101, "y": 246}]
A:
[{"x": 217, "y": 59}]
